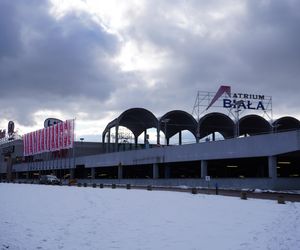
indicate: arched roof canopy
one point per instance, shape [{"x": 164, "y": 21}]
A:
[
  {"x": 108, "y": 127},
  {"x": 135, "y": 119},
  {"x": 253, "y": 125},
  {"x": 176, "y": 121},
  {"x": 286, "y": 123},
  {"x": 216, "y": 122}
]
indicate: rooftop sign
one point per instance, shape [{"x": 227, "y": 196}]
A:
[
  {"x": 225, "y": 98},
  {"x": 51, "y": 122},
  {"x": 245, "y": 101}
]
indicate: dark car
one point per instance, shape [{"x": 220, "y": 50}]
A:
[{"x": 49, "y": 179}]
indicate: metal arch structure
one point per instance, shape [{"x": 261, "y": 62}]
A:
[
  {"x": 176, "y": 121},
  {"x": 285, "y": 123},
  {"x": 216, "y": 122},
  {"x": 137, "y": 120},
  {"x": 253, "y": 125}
]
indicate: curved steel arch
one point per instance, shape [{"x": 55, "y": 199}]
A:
[
  {"x": 216, "y": 122},
  {"x": 137, "y": 120},
  {"x": 177, "y": 121},
  {"x": 286, "y": 123},
  {"x": 253, "y": 125},
  {"x": 107, "y": 128}
]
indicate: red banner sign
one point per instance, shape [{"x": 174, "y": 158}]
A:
[{"x": 54, "y": 138}]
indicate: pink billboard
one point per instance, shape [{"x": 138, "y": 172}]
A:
[{"x": 54, "y": 138}]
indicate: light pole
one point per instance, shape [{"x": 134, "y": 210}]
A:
[
  {"x": 275, "y": 127},
  {"x": 165, "y": 121}
]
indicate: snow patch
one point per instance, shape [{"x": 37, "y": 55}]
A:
[{"x": 62, "y": 217}]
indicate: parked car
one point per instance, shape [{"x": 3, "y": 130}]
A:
[{"x": 49, "y": 179}]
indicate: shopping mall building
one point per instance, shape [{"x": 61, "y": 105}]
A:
[{"x": 248, "y": 152}]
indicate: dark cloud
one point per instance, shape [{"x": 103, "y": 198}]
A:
[
  {"x": 254, "y": 49},
  {"x": 49, "y": 63},
  {"x": 67, "y": 63},
  {"x": 10, "y": 37}
]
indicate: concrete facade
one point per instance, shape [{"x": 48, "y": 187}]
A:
[
  {"x": 255, "y": 146},
  {"x": 160, "y": 159}
]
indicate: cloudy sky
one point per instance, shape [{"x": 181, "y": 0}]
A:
[{"x": 93, "y": 59}]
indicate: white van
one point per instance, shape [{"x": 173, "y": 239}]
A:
[{"x": 49, "y": 179}]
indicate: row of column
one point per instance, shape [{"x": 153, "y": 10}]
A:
[
  {"x": 72, "y": 173},
  {"x": 272, "y": 167},
  {"x": 136, "y": 139}
]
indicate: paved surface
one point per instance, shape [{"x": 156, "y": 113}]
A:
[
  {"x": 286, "y": 196},
  {"x": 235, "y": 193}
]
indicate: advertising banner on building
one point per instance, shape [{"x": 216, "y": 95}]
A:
[
  {"x": 53, "y": 138},
  {"x": 234, "y": 103}
]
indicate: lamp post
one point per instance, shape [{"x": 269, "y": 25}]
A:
[
  {"x": 275, "y": 127},
  {"x": 165, "y": 121}
]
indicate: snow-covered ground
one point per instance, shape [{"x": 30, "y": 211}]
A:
[{"x": 54, "y": 217}]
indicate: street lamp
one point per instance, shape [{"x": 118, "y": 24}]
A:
[
  {"x": 275, "y": 127},
  {"x": 165, "y": 121}
]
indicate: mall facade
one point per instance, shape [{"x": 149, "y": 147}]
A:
[{"x": 250, "y": 152}]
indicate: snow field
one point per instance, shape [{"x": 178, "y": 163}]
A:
[{"x": 62, "y": 217}]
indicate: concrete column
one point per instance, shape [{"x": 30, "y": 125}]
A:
[
  {"x": 145, "y": 136},
  {"x": 136, "y": 141},
  {"x": 198, "y": 132},
  {"x": 146, "y": 139},
  {"x": 108, "y": 141},
  {"x": 180, "y": 138},
  {"x": 17, "y": 175},
  {"x": 155, "y": 171},
  {"x": 9, "y": 169},
  {"x": 117, "y": 139},
  {"x": 272, "y": 163},
  {"x": 167, "y": 172},
  {"x": 93, "y": 172},
  {"x": 237, "y": 129},
  {"x": 120, "y": 171},
  {"x": 203, "y": 168},
  {"x": 158, "y": 135},
  {"x": 72, "y": 173}
]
